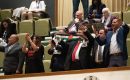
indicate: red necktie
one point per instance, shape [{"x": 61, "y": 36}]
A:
[{"x": 74, "y": 52}]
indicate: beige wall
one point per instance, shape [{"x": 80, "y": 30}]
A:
[{"x": 65, "y": 9}]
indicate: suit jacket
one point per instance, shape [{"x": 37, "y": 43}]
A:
[
  {"x": 105, "y": 55},
  {"x": 72, "y": 23},
  {"x": 84, "y": 53},
  {"x": 58, "y": 60},
  {"x": 121, "y": 40},
  {"x": 14, "y": 58}
]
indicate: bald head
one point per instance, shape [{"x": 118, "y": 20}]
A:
[
  {"x": 13, "y": 39},
  {"x": 79, "y": 14}
]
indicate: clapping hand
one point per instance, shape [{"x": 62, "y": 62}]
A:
[
  {"x": 76, "y": 20},
  {"x": 28, "y": 38}
]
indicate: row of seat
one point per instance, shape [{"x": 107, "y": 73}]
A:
[
  {"x": 39, "y": 27},
  {"x": 125, "y": 16},
  {"x": 5, "y": 13}
]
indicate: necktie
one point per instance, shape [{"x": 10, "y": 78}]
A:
[
  {"x": 74, "y": 52},
  {"x": 98, "y": 57},
  {"x": 100, "y": 54}
]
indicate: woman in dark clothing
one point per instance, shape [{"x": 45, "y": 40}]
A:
[
  {"x": 6, "y": 29},
  {"x": 34, "y": 55},
  {"x": 95, "y": 10}
]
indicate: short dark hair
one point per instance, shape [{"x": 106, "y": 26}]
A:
[{"x": 38, "y": 39}]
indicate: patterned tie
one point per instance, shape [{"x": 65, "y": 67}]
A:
[{"x": 74, "y": 52}]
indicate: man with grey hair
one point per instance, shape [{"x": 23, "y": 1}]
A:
[
  {"x": 14, "y": 58},
  {"x": 107, "y": 19}
]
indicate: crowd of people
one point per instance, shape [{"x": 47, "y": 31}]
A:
[
  {"x": 106, "y": 47},
  {"x": 72, "y": 48}
]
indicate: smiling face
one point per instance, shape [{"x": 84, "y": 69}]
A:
[{"x": 116, "y": 23}]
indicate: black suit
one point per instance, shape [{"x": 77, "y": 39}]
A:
[
  {"x": 58, "y": 60},
  {"x": 105, "y": 56},
  {"x": 84, "y": 55},
  {"x": 14, "y": 59}
]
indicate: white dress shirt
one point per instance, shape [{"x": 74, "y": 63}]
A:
[
  {"x": 37, "y": 6},
  {"x": 114, "y": 48}
]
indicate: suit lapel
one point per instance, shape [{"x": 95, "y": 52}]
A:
[
  {"x": 110, "y": 33},
  {"x": 6, "y": 49},
  {"x": 95, "y": 48},
  {"x": 15, "y": 46}
]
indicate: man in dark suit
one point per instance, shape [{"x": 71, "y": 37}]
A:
[
  {"x": 116, "y": 43},
  {"x": 98, "y": 51},
  {"x": 14, "y": 58},
  {"x": 80, "y": 58},
  {"x": 58, "y": 53}
]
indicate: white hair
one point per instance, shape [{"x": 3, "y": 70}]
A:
[{"x": 105, "y": 10}]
